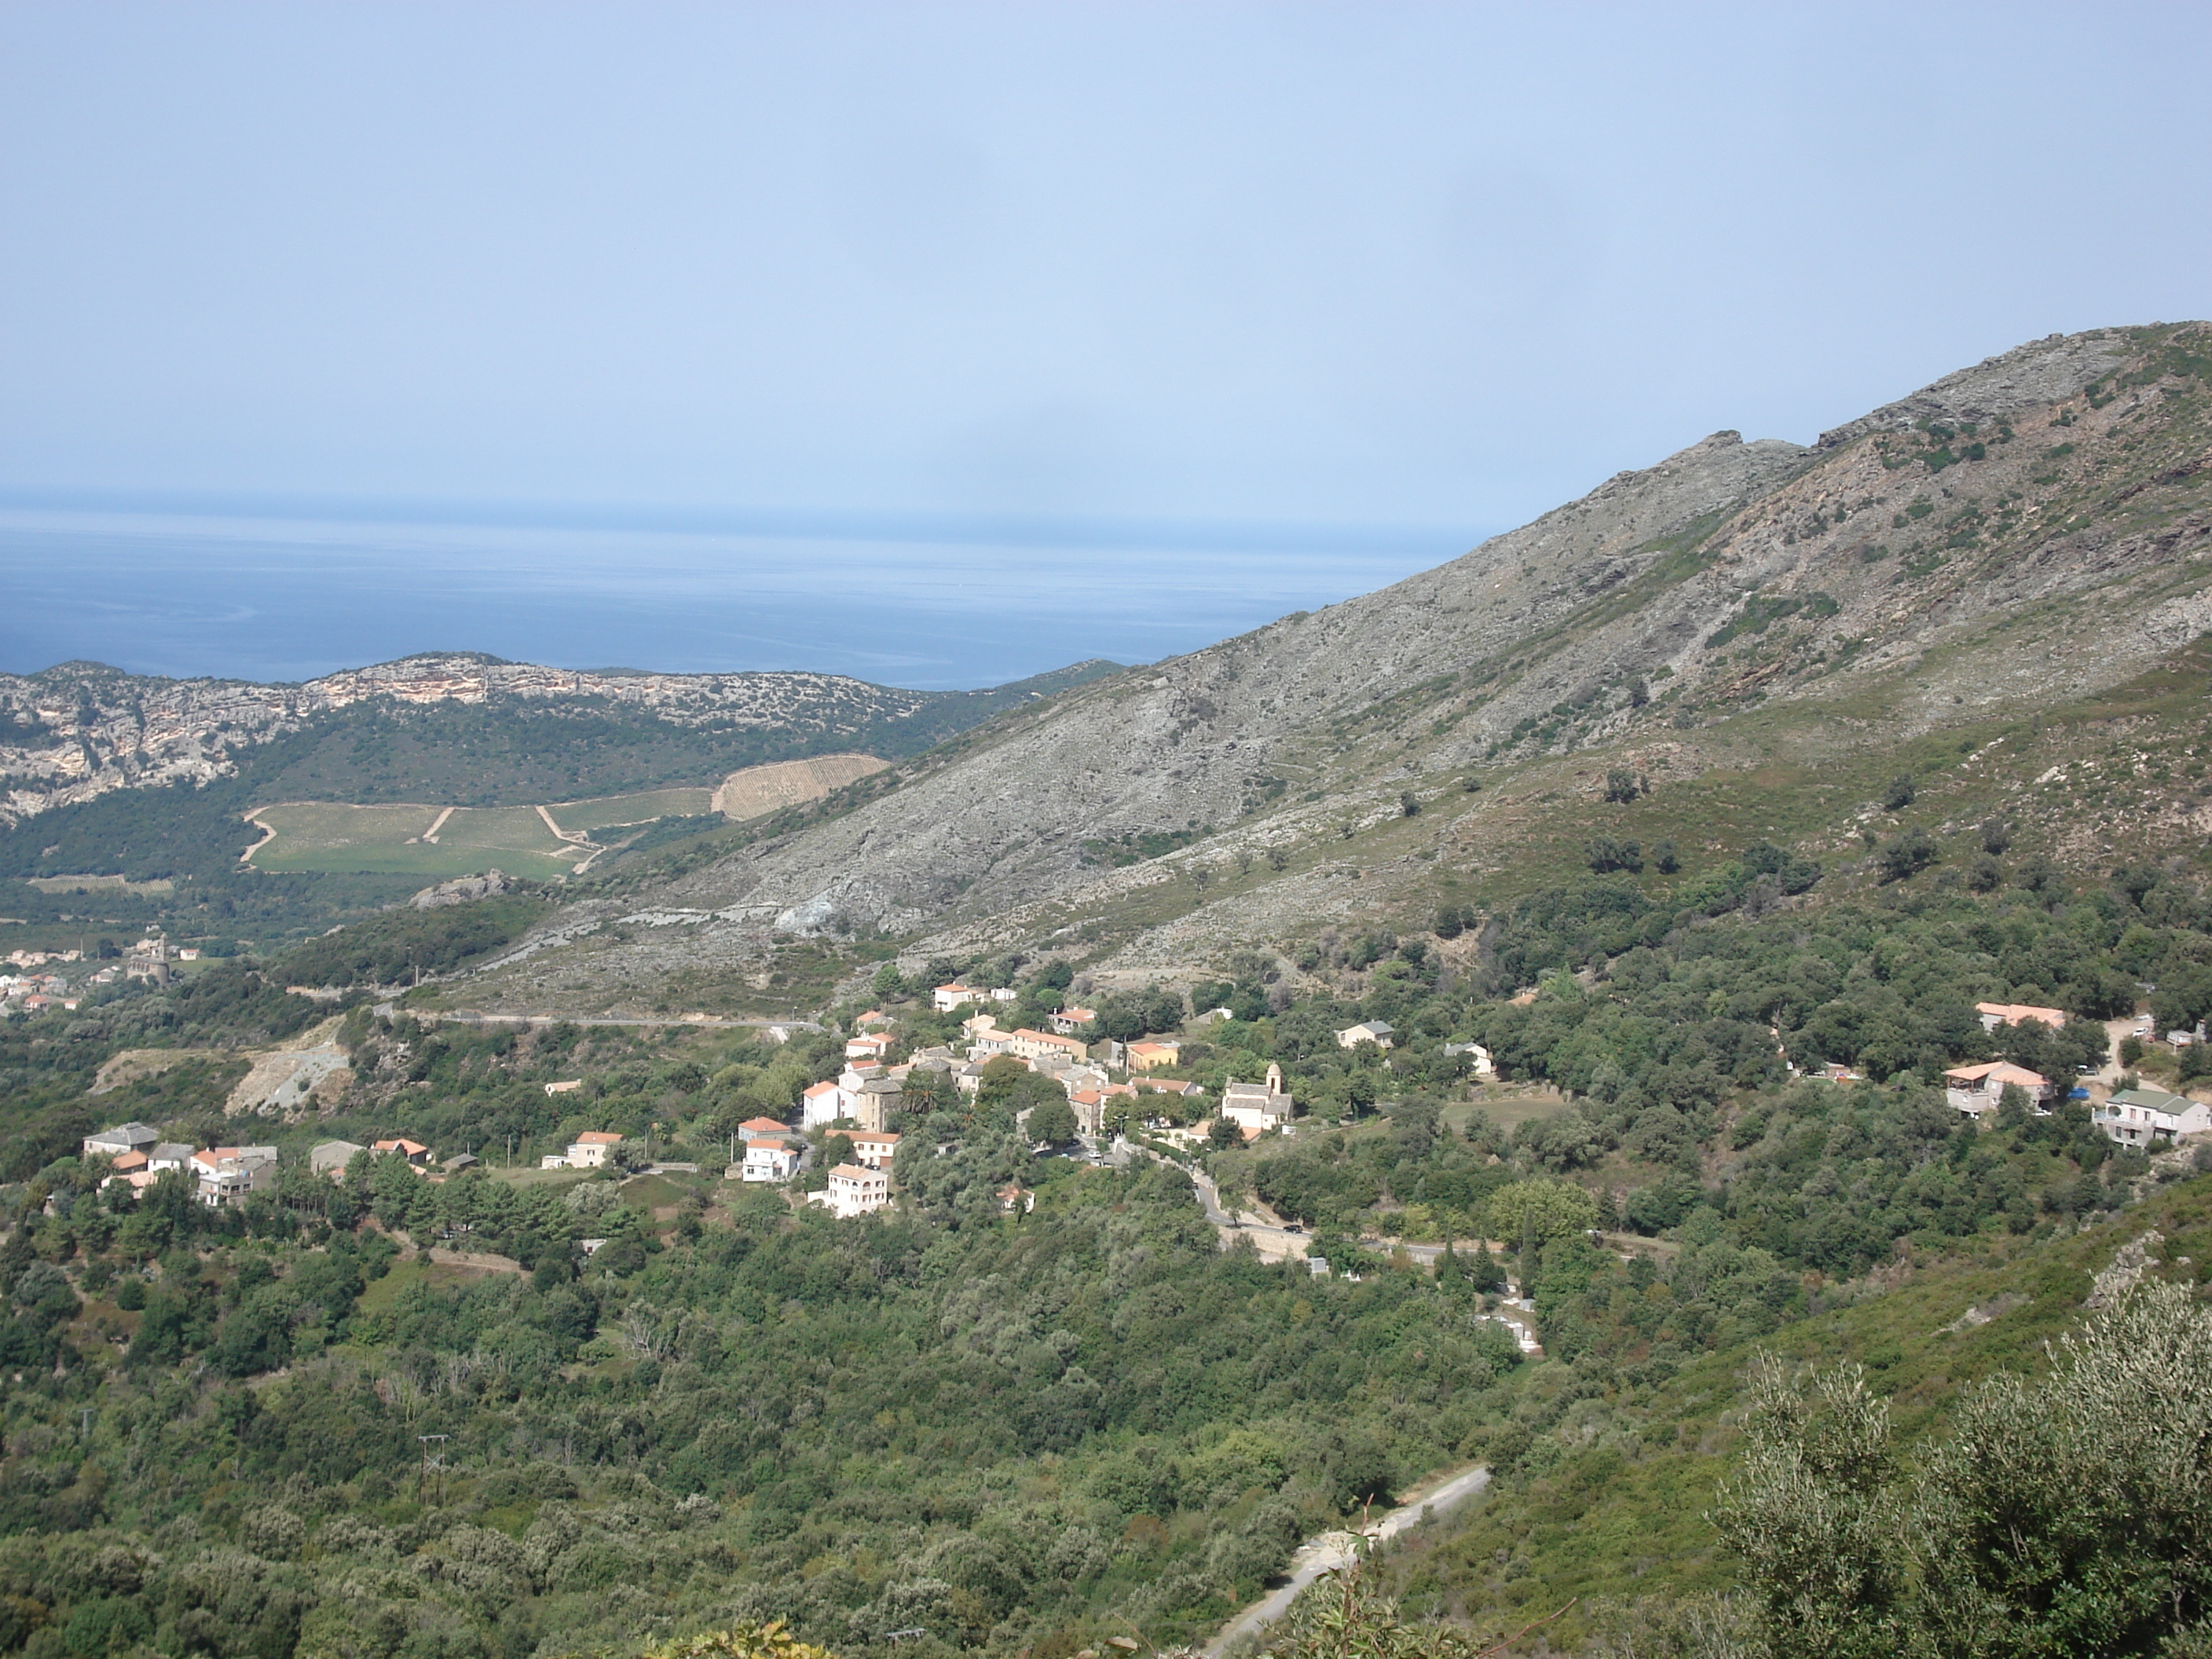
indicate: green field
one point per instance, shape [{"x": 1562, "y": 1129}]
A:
[
  {"x": 627, "y": 811},
  {"x": 324, "y": 836}
]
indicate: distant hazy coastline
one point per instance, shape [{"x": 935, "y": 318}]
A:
[{"x": 287, "y": 594}]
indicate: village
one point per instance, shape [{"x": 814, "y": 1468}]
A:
[
  {"x": 1116, "y": 1092},
  {"x": 36, "y": 987}
]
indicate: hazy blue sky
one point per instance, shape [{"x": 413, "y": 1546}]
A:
[{"x": 1381, "y": 264}]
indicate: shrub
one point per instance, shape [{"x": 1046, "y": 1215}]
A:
[
  {"x": 1907, "y": 854},
  {"x": 1900, "y": 793},
  {"x": 1608, "y": 853}
]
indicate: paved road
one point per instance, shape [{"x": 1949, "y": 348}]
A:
[{"x": 1335, "y": 1550}]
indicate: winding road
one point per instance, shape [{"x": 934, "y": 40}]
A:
[{"x": 1334, "y": 1550}]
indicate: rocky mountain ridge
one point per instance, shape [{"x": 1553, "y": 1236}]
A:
[{"x": 2037, "y": 525}]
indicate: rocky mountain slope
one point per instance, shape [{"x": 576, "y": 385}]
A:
[
  {"x": 2032, "y": 528},
  {"x": 81, "y": 730}
]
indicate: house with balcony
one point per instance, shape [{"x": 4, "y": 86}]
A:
[
  {"x": 855, "y": 1190},
  {"x": 1975, "y": 1090},
  {"x": 2138, "y": 1117}
]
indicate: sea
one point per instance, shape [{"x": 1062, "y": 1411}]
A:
[{"x": 276, "y": 592}]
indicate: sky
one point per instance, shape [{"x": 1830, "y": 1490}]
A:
[{"x": 930, "y": 307}]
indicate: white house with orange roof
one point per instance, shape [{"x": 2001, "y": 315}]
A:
[
  {"x": 754, "y": 1127},
  {"x": 591, "y": 1149},
  {"x": 1071, "y": 1019},
  {"x": 855, "y": 1190},
  {"x": 873, "y": 1148},
  {"x": 413, "y": 1152},
  {"x": 822, "y": 1102},
  {"x": 869, "y": 1045},
  {"x": 1028, "y": 1044},
  {"x": 946, "y": 997}
]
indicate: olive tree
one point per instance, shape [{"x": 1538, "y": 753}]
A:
[{"x": 2070, "y": 1515}]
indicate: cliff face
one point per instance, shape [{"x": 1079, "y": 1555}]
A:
[{"x": 2033, "y": 524}]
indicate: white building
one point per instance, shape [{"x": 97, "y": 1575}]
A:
[
  {"x": 822, "y": 1103},
  {"x": 589, "y": 1151},
  {"x": 873, "y": 1148},
  {"x": 856, "y": 1191},
  {"x": 769, "y": 1160},
  {"x": 946, "y": 997},
  {"x": 1485, "y": 1066},
  {"x": 1376, "y": 1031},
  {"x": 227, "y": 1174},
  {"x": 1028, "y": 1044},
  {"x": 1258, "y": 1105},
  {"x": 2133, "y": 1116}
]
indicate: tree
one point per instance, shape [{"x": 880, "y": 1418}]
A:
[
  {"x": 1664, "y": 858},
  {"x": 1622, "y": 785},
  {"x": 889, "y": 982},
  {"x": 1052, "y": 1122},
  {"x": 2062, "y": 1516},
  {"x": 1359, "y": 1091},
  {"x": 1539, "y": 1210},
  {"x": 1900, "y": 793},
  {"x": 1811, "y": 1514},
  {"x": 1225, "y": 1133}
]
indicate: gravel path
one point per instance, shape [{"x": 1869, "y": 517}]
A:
[{"x": 1334, "y": 1550}]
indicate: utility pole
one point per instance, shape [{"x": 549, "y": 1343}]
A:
[{"x": 422, "y": 1478}]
